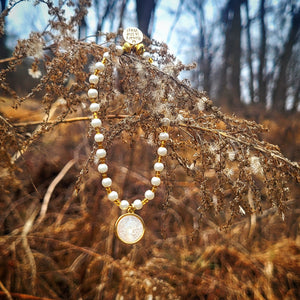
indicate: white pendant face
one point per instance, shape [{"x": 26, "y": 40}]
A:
[
  {"x": 130, "y": 228},
  {"x": 133, "y": 35}
]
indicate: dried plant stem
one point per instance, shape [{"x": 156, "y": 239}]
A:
[
  {"x": 26, "y": 229},
  {"x": 275, "y": 154},
  {"x": 3, "y": 60},
  {"x": 23, "y": 296},
  {"x": 51, "y": 188},
  {"x": 5, "y": 291},
  {"x": 70, "y": 120}
]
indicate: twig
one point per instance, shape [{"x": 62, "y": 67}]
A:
[
  {"x": 24, "y": 296},
  {"x": 71, "y": 120},
  {"x": 27, "y": 227},
  {"x": 51, "y": 188},
  {"x": 5, "y": 291},
  {"x": 257, "y": 147}
]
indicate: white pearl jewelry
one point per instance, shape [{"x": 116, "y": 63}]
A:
[
  {"x": 158, "y": 166},
  {"x": 146, "y": 55},
  {"x": 137, "y": 204},
  {"x": 155, "y": 181},
  {"x": 102, "y": 168},
  {"x": 94, "y": 107},
  {"x": 96, "y": 123},
  {"x": 124, "y": 204},
  {"x": 163, "y": 136},
  {"x": 106, "y": 55},
  {"x": 94, "y": 79},
  {"x": 149, "y": 195},
  {"x": 112, "y": 196},
  {"x": 99, "y": 137},
  {"x": 106, "y": 182},
  {"x": 101, "y": 153},
  {"x": 92, "y": 93},
  {"x": 119, "y": 50},
  {"x": 99, "y": 66},
  {"x": 162, "y": 151},
  {"x": 165, "y": 121}
]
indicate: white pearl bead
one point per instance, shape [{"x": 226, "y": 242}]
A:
[
  {"x": 92, "y": 93},
  {"x": 137, "y": 204},
  {"x": 94, "y": 107},
  {"x": 162, "y": 151},
  {"x": 96, "y": 123},
  {"x": 102, "y": 168},
  {"x": 94, "y": 79},
  {"x": 158, "y": 167},
  {"x": 100, "y": 153},
  {"x": 163, "y": 136},
  {"x": 149, "y": 195},
  {"x": 106, "y": 182},
  {"x": 106, "y": 55},
  {"x": 155, "y": 181},
  {"x": 165, "y": 121},
  {"x": 119, "y": 50},
  {"x": 124, "y": 204},
  {"x": 146, "y": 55},
  {"x": 99, "y": 66},
  {"x": 112, "y": 196},
  {"x": 99, "y": 137}
]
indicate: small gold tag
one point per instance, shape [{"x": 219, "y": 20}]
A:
[{"x": 133, "y": 35}]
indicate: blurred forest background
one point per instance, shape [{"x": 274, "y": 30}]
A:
[{"x": 248, "y": 63}]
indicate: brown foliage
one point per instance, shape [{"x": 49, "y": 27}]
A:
[{"x": 57, "y": 235}]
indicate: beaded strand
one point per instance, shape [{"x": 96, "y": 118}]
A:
[{"x": 96, "y": 123}]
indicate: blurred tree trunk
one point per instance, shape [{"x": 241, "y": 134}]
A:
[
  {"x": 262, "y": 88},
  {"x": 296, "y": 103},
  {"x": 249, "y": 54},
  {"x": 4, "y": 52},
  {"x": 205, "y": 56},
  {"x": 281, "y": 85},
  {"x": 229, "y": 88},
  {"x": 202, "y": 75},
  {"x": 109, "y": 6},
  {"x": 145, "y": 11}
]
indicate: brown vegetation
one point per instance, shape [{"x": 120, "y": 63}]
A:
[{"x": 224, "y": 224}]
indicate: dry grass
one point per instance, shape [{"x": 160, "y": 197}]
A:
[
  {"x": 56, "y": 225},
  {"x": 73, "y": 253}
]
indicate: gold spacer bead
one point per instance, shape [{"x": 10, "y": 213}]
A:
[
  {"x": 157, "y": 174},
  {"x": 104, "y": 60},
  {"x": 159, "y": 159},
  {"x": 162, "y": 143},
  {"x": 145, "y": 201},
  {"x": 108, "y": 190},
  {"x": 154, "y": 188},
  {"x": 150, "y": 60},
  {"x": 130, "y": 209},
  {"x": 139, "y": 49},
  {"x": 118, "y": 202},
  {"x": 127, "y": 47},
  {"x": 104, "y": 175}
]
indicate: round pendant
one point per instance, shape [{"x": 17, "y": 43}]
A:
[
  {"x": 130, "y": 228},
  {"x": 133, "y": 35}
]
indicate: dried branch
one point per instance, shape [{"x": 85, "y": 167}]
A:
[
  {"x": 51, "y": 188},
  {"x": 5, "y": 291}
]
